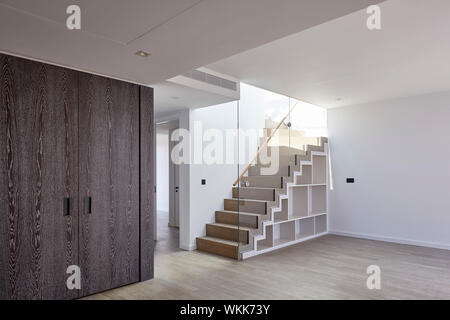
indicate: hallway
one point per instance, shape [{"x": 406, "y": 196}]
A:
[{"x": 168, "y": 237}]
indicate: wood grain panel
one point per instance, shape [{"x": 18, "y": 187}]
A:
[
  {"x": 39, "y": 168},
  {"x": 109, "y": 174},
  {"x": 5, "y": 110},
  {"x": 39, "y": 152},
  {"x": 60, "y": 175},
  {"x": 147, "y": 183}
]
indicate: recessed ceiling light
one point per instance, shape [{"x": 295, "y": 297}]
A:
[{"x": 142, "y": 53}]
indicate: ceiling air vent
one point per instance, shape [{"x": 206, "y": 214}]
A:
[{"x": 211, "y": 79}]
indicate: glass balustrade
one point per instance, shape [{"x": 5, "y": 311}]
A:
[{"x": 273, "y": 131}]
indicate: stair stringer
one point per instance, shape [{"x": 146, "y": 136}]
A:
[{"x": 252, "y": 249}]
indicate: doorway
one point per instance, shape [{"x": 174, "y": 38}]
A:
[{"x": 167, "y": 189}]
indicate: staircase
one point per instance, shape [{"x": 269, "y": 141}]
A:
[{"x": 268, "y": 212}]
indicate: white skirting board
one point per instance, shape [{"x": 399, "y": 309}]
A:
[
  {"x": 189, "y": 247},
  {"x": 391, "y": 239}
]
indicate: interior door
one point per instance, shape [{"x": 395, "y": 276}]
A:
[
  {"x": 38, "y": 179},
  {"x": 109, "y": 183},
  {"x": 174, "y": 185},
  {"x": 176, "y": 169}
]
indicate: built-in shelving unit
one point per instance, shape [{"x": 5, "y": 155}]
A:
[{"x": 302, "y": 212}]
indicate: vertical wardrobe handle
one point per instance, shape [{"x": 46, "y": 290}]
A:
[
  {"x": 88, "y": 205},
  {"x": 67, "y": 206}
]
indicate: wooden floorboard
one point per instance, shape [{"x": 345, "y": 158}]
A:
[{"x": 331, "y": 267}]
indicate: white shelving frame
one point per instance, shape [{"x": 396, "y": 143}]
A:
[{"x": 302, "y": 213}]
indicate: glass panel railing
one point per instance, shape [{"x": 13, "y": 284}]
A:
[
  {"x": 308, "y": 121},
  {"x": 256, "y": 144},
  {"x": 261, "y": 114},
  {"x": 274, "y": 132}
]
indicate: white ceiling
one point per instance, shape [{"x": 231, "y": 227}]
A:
[
  {"x": 171, "y": 97},
  {"x": 180, "y": 35},
  {"x": 342, "y": 59}
]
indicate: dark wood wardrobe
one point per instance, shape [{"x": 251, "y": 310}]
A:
[{"x": 76, "y": 181}]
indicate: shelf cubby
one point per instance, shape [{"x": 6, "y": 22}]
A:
[
  {"x": 268, "y": 241},
  {"x": 304, "y": 228},
  {"x": 298, "y": 201},
  {"x": 283, "y": 232},
  {"x": 320, "y": 224},
  {"x": 306, "y": 177},
  {"x": 318, "y": 199},
  {"x": 319, "y": 169},
  {"x": 283, "y": 214}
]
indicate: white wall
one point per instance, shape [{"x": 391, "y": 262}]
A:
[
  {"x": 206, "y": 199},
  {"x": 398, "y": 152},
  {"x": 162, "y": 170}
]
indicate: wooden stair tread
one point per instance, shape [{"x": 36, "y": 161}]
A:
[
  {"x": 262, "y": 188},
  {"x": 222, "y": 247},
  {"x": 228, "y": 242},
  {"x": 241, "y": 212},
  {"x": 242, "y": 199},
  {"x": 231, "y": 226},
  {"x": 279, "y": 176}
]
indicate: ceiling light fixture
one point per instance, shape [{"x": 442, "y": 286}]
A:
[{"x": 142, "y": 53}]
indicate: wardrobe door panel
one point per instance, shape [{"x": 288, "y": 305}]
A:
[
  {"x": 4, "y": 203},
  {"x": 39, "y": 169},
  {"x": 109, "y": 183},
  {"x": 147, "y": 184}
]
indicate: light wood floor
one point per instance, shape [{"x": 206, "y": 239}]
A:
[{"x": 331, "y": 267}]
